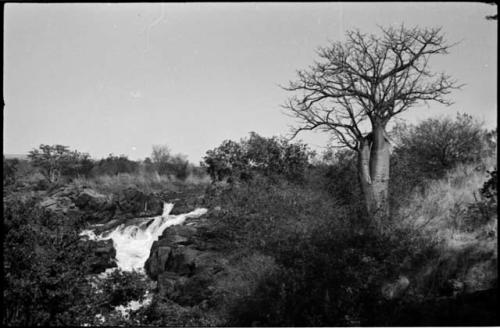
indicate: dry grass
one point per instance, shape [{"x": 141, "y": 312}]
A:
[
  {"x": 441, "y": 207},
  {"x": 147, "y": 182},
  {"x": 464, "y": 240}
]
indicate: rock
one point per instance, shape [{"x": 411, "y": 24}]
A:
[
  {"x": 104, "y": 256},
  {"x": 182, "y": 261},
  {"x": 166, "y": 284},
  {"x": 57, "y": 204},
  {"x": 157, "y": 260},
  {"x": 91, "y": 200},
  {"x": 396, "y": 289},
  {"x": 137, "y": 203},
  {"x": 184, "y": 264},
  {"x": 185, "y": 202},
  {"x": 179, "y": 234}
]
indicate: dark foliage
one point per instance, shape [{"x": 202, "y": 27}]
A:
[
  {"x": 485, "y": 205},
  {"x": 57, "y": 160},
  {"x": 270, "y": 157},
  {"x": 437, "y": 145},
  {"x": 332, "y": 277},
  {"x": 121, "y": 287},
  {"x": 9, "y": 171},
  {"x": 431, "y": 148},
  {"x": 44, "y": 265},
  {"x": 113, "y": 165},
  {"x": 163, "y": 162}
]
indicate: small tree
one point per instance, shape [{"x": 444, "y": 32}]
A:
[
  {"x": 436, "y": 145},
  {"x": 113, "y": 165},
  {"x": 168, "y": 164},
  {"x": 57, "y": 160},
  {"x": 359, "y": 85},
  {"x": 160, "y": 157},
  {"x": 270, "y": 157}
]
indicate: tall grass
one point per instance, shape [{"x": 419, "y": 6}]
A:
[
  {"x": 441, "y": 209},
  {"x": 144, "y": 181},
  {"x": 465, "y": 240}
]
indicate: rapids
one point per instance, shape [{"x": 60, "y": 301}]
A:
[{"x": 133, "y": 241}]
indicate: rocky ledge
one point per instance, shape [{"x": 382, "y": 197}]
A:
[
  {"x": 194, "y": 266},
  {"x": 186, "y": 263}
]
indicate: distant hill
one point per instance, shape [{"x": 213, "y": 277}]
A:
[{"x": 18, "y": 156}]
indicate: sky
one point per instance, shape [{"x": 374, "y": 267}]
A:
[{"x": 120, "y": 78}]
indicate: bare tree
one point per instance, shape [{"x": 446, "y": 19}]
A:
[{"x": 357, "y": 86}]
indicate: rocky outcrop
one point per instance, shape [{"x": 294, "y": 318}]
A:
[
  {"x": 97, "y": 207},
  {"x": 104, "y": 256},
  {"x": 185, "y": 201},
  {"x": 186, "y": 265},
  {"x": 91, "y": 200},
  {"x": 133, "y": 202}
]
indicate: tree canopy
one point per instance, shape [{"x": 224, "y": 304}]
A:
[{"x": 368, "y": 77}]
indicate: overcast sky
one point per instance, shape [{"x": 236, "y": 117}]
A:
[{"x": 119, "y": 78}]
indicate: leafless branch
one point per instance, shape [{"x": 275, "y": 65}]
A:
[{"x": 368, "y": 77}]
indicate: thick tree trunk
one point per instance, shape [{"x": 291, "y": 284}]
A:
[{"x": 374, "y": 156}]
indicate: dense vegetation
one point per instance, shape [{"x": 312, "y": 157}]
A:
[{"x": 276, "y": 201}]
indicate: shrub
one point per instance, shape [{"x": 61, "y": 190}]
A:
[
  {"x": 436, "y": 145},
  {"x": 270, "y": 157},
  {"x": 332, "y": 277},
  {"x": 340, "y": 176},
  {"x": 485, "y": 204},
  {"x": 44, "y": 265},
  {"x": 113, "y": 165},
  {"x": 57, "y": 160},
  {"x": 9, "y": 171},
  {"x": 167, "y": 164},
  {"x": 433, "y": 147},
  {"x": 121, "y": 287}
]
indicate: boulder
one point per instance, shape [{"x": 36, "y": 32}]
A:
[
  {"x": 62, "y": 204},
  {"x": 183, "y": 265},
  {"x": 179, "y": 234},
  {"x": 157, "y": 260},
  {"x": 89, "y": 199},
  {"x": 138, "y": 203},
  {"x": 185, "y": 201},
  {"x": 104, "y": 256},
  {"x": 58, "y": 202}
]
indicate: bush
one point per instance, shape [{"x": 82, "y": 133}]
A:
[
  {"x": 485, "y": 205},
  {"x": 259, "y": 214},
  {"x": 57, "y": 160},
  {"x": 433, "y": 147},
  {"x": 121, "y": 287},
  {"x": 167, "y": 164},
  {"x": 113, "y": 165},
  {"x": 340, "y": 176},
  {"x": 9, "y": 171},
  {"x": 44, "y": 265},
  {"x": 437, "y": 145},
  {"x": 271, "y": 157},
  {"x": 332, "y": 277}
]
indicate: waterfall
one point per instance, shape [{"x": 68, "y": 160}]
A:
[{"x": 133, "y": 241}]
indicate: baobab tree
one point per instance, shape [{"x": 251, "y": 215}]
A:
[{"x": 359, "y": 85}]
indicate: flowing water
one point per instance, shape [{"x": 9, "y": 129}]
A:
[{"x": 133, "y": 241}]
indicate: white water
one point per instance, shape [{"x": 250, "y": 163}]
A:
[{"x": 133, "y": 242}]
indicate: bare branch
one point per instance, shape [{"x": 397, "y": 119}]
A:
[{"x": 368, "y": 77}]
